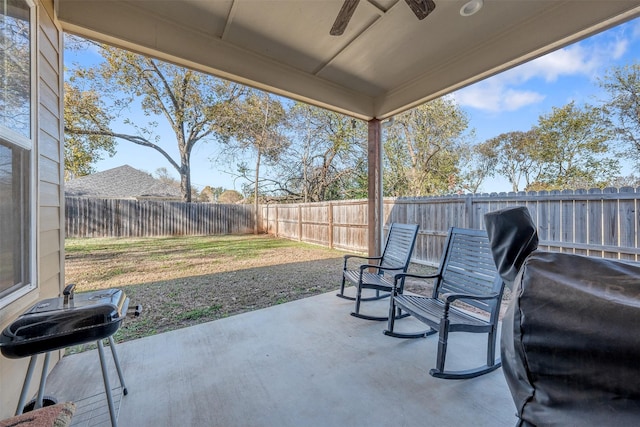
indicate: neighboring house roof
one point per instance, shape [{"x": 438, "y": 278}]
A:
[{"x": 123, "y": 182}]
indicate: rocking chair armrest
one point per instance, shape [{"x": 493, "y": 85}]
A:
[
  {"x": 416, "y": 276},
  {"x": 398, "y": 276},
  {"x": 451, "y": 297},
  {"x": 362, "y": 257},
  {"x": 365, "y": 266},
  {"x": 347, "y": 257}
]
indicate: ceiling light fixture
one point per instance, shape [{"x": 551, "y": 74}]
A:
[{"x": 471, "y": 7}]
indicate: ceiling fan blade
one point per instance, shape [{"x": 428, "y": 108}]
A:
[
  {"x": 344, "y": 16},
  {"x": 421, "y": 8}
]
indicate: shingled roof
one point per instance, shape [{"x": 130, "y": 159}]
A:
[{"x": 123, "y": 182}]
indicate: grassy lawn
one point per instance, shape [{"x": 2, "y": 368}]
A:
[{"x": 183, "y": 281}]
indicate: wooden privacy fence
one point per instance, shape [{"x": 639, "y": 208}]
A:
[
  {"x": 145, "y": 218},
  {"x": 602, "y": 223}
]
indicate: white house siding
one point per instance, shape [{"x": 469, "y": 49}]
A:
[{"x": 48, "y": 150}]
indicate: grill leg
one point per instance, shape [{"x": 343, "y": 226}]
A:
[
  {"x": 107, "y": 386},
  {"x": 117, "y": 363},
  {"x": 25, "y": 385},
  {"x": 43, "y": 381}
]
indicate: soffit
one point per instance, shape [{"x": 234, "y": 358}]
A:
[{"x": 385, "y": 62}]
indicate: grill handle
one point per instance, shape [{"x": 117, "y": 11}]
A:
[
  {"x": 135, "y": 311},
  {"x": 68, "y": 293}
]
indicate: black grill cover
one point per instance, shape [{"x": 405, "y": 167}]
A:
[
  {"x": 570, "y": 348},
  {"x": 513, "y": 237}
]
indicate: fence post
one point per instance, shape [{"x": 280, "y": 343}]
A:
[
  {"x": 468, "y": 211},
  {"x": 300, "y": 222},
  {"x": 330, "y": 219}
]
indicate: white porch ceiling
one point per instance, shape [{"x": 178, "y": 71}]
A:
[{"x": 386, "y": 61}]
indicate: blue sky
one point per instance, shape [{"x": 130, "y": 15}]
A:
[
  {"x": 515, "y": 99},
  {"x": 510, "y": 101}
]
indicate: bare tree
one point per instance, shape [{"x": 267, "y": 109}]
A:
[
  {"x": 15, "y": 71},
  {"x": 259, "y": 131},
  {"x": 326, "y": 158},
  {"x": 623, "y": 105},
  {"x": 478, "y": 162}
]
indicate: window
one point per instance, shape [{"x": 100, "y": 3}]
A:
[
  {"x": 14, "y": 218},
  {"x": 16, "y": 154},
  {"x": 15, "y": 33}
]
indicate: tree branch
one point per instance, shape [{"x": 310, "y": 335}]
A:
[{"x": 131, "y": 138}]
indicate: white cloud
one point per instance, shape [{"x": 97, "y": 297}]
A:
[
  {"x": 481, "y": 96},
  {"x": 573, "y": 60},
  {"x": 494, "y": 96},
  {"x": 515, "y": 99},
  {"x": 620, "y": 48},
  {"x": 635, "y": 29},
  {"x": 512, "y": 89}
]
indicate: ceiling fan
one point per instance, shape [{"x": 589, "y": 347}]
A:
[{"x": 420, "y": 8}]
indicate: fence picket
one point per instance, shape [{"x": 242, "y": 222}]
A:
[
  {"x": 567, "y": 221},
  {"x": 147, "y": 218}
]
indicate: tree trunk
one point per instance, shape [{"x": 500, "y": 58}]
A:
[
  {"x": 185, "y": 177},
  {"x": 255, "y": 194}
]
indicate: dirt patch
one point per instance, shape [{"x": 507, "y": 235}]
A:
[{"x": 185, "y": 281}]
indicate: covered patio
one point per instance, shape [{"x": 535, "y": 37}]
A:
[
  {"x": 303, "y": 363},
  {"x": 307, "y": 362}
]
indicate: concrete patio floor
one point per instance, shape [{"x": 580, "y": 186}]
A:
[{"x": 303, "y": 363}]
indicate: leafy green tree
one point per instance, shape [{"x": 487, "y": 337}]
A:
[
  {"x": 515, "y": 156},
  {"x": 574, "y": 149},
  {"x": 197, "y": 107},
  {"x": 423, "y": 150},
  {"x": 84, "y": 109},
  {"x": 623, "y": 106}
]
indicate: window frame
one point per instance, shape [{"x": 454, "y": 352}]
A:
[{"x": 29, "y": 144}]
